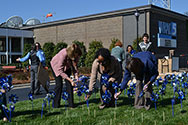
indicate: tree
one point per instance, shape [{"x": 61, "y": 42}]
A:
[
  {"x": 93, "y": 47},
  {"x": 59, "y": 46},
  {"x": 112, "y": 45},
  {"x": 81, "y": 62},
  {"x": 135, "y": 42},
  {"x": 48, "y": 49}
]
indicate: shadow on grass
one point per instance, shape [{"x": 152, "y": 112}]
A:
[
  {"x": 92, "y": 100},
  {"x": 31, "y": 113}
]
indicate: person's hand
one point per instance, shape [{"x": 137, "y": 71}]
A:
[
  {"x": 46, "y": 68},
  {"x": 76, "y": 77},
  {"x": 111, "y": 79},
  {"x": 87, "y": 97},
  {"x": 2, "y": 90},
  {"x": 117, "y": 95},
  {"x": 18, "y": 59},
  {"x": 146, "y": 86},
  {"x": 73, "y": 83}
]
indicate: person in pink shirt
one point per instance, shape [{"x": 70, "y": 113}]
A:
[{"x": 63, "y": 64}]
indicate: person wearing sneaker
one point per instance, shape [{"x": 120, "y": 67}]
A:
[
  {"x": 105, "y": 63},
  {"x": 62, "y": 65},
  {"x": 3, "y": 102},
  {"x": 144, "y": 66}
]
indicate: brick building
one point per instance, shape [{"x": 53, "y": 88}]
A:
[{"x": 167, "y": 29}]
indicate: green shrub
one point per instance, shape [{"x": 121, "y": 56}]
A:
[
  {"x": 81, "y": 62},
  {"x": 135, "y": 41},
  {"x": 112, "y": 45},
  {"x": 93, "y": 47},
  {"x": 59, "y": 46},
  {"x": 48, "y": 49}
]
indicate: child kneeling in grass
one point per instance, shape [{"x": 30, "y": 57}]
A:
[{"x": 3, "y": 102}]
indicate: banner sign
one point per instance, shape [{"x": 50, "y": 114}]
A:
[{"x": 167, "y": 34}]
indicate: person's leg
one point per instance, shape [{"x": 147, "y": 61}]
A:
[
  {"x": 138, "y": 102},
  {"x": 32, "y": 77},
  {"x": 112, "y": 91},
  {"x": 37, "y": 84},
  {"x": 57, "y": 90},
  {"x": 69, "y": 89},
  {"x": 148, "y": 102}
]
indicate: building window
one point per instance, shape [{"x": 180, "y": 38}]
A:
[
  {"x": 16, "y": 45},
  {"x": 3, "y": 44},
  {"x": 3, "y": 59}
]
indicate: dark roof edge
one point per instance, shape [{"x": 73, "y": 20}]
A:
[{"x": 99, "y": 15}]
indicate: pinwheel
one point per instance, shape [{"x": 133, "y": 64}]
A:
[
  {"x": 65, "y": 96},
  {"x": 12, "y": 101},
  {"x": 104, "y": 80},
  {"x": 181, "y": 96},
  {"x": 106, "y": 97},
  {"x": 115, "y": 86},
  {"x": 154, "y": 98},
  {"x": 30, "y": 96},
  {"x": 6, "y": 83},
  {"x": 49, "y": 97}
]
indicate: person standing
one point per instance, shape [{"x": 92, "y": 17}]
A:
[
  {"x": 36, "y": 55},
  {"x": 62, "y": 65},
  {"x": 130, "y": 52},
  {"x": 104, "y": 63},
  {"x": 144, "y": 66},
  {"x": 118, "y": 52},
  {"x": 145, "y": 45}
]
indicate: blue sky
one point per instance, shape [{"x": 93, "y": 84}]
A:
[{"x": 64, "y": 9}]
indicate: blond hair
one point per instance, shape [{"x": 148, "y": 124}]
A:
[{"x": 72, "y": 50}]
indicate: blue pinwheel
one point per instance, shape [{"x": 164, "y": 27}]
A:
[
  {"x": 30, "y": 96},
  {"x": 106, "y": 97},
  {"x": 154, "y": 98},
  {"x": 104, "y": 80},
  {"x": 181, "y": 96},
  {"x": 49, "y": 97},
  {"x": 115, "y": 85},
  {"x": 12, "y": 101}
]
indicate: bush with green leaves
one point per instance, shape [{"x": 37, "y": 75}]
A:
[
  {"x": 48, "y": 49},
  {"x": 112, "y": 45},
  {"x": 81, "y": 62},
  {"x": 93, "y": 47},
  {"x": 135, "y": 41},
  {"x": 27, "y": 48},
  {"x": 59, "y": 46}
]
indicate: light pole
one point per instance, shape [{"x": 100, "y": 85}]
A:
[{"x": 137, "y": 14}]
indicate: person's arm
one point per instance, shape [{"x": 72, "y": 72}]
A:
[
  {"x": 123, "y": 55},
  {"x": 93, "y": 77},
  {"x": 41, "y": 56},
  {"x": 25, "y": 58},
  {"x": 117, "y": 71}
]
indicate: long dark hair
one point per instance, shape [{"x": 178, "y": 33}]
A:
[
  {"x": 105, "y": 53},
  {"x": 135, "y": 65}
]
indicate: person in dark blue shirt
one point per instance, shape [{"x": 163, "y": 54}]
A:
[{"x": 144, "y": 66}]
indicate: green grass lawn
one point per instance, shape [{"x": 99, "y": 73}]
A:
[{"x": 123, "y": 114}]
